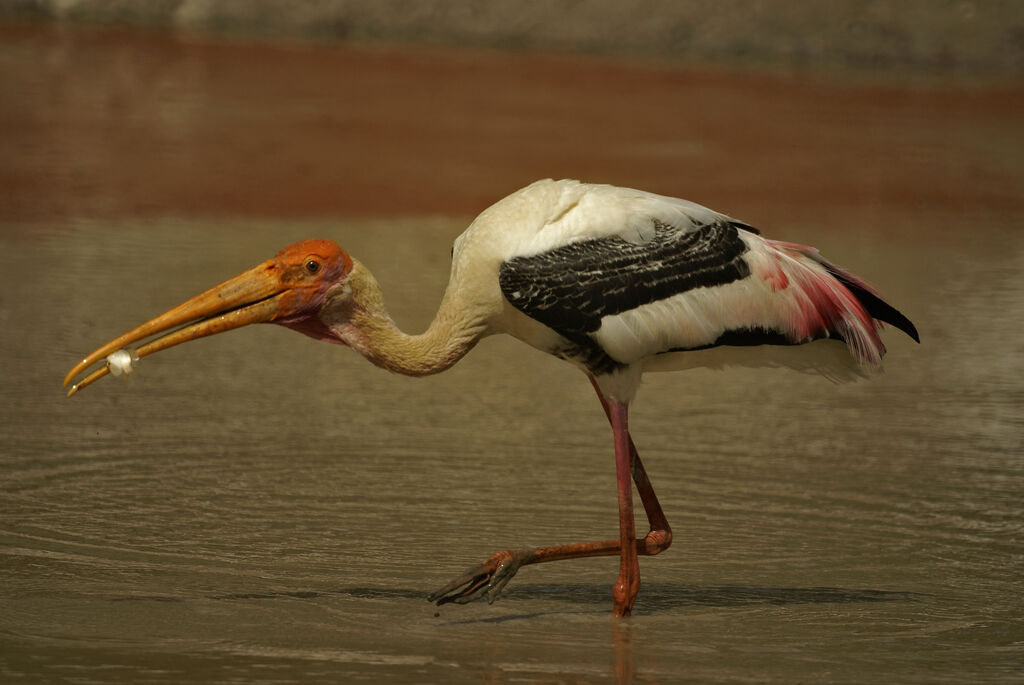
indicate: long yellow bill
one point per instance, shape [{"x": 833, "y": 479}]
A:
[{"x": 250, "y": 297}]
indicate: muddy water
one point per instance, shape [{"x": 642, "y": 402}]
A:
[{"x": 259, "y": 507}]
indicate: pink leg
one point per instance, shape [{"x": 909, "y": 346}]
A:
[
  {"x": 659, "y": 537},
  {"x": 488, "y": 579},
  {"x": 628, "y": 583}
]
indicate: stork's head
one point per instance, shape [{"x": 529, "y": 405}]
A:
[{"x": 290, "y": 289}]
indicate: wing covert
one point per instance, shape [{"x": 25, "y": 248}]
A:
[{"x": 572, "y": 288}]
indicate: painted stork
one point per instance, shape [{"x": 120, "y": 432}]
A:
[{"x": 613, "y": 280}]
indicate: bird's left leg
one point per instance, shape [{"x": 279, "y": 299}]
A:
[{"x": 488, "y": 578}]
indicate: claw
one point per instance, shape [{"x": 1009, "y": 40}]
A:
[{"x": 485, "y": 580}]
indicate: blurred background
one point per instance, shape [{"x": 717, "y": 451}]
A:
[
  {"x": 262, "y": 108},
  {"x": 258, "y": 507},
  {"x": 930, "y": 35}
]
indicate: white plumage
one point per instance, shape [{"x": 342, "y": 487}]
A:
[{"x": 549, "y": 214}]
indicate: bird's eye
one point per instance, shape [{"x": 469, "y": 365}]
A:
[{"x": 312, "y": 266}]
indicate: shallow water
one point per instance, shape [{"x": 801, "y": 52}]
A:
[{"x": 261, "y": 508}]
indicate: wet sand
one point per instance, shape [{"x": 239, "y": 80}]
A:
[{"x": 261, "y": 508}]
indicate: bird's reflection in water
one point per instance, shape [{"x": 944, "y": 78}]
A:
[{"x": 622, "y": 648}]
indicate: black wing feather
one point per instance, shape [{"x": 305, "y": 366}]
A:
[{"x": 571, "y": 288}]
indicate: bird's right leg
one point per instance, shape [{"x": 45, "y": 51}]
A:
[{"x": 489, "y": 578}]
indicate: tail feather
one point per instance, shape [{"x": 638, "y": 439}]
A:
[
  {"x": 875, "y": 306},
  {"x": 846, "y": 306}
]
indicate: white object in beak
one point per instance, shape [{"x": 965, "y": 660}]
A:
[{"x": 122, "y": 362}]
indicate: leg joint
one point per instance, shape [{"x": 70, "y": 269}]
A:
[{"x": 657, "y": 541}]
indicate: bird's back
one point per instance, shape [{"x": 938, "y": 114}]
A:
[{"x": 611, "y": 278}]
